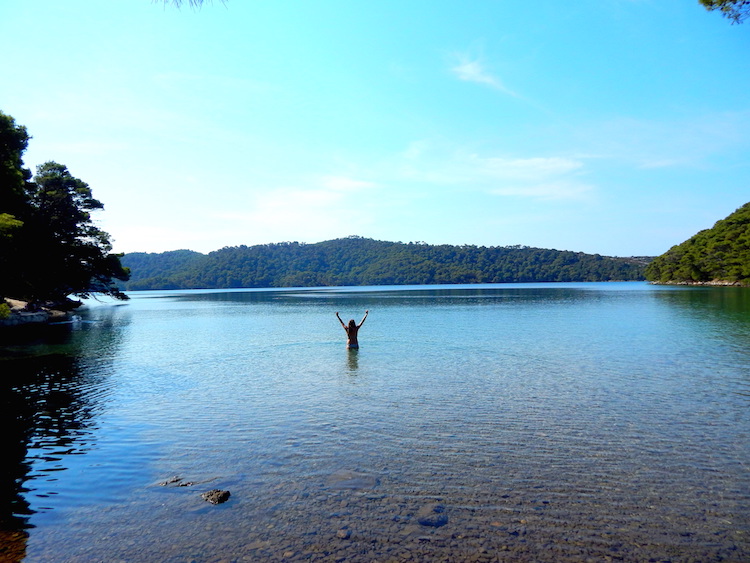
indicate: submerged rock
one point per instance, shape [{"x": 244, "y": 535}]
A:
[
  {"x": 215, "y": 496},
  {"x": 432, "y": 515},
  {"x": 347, "y": 479},
  {"x": 178, "y": 481}
]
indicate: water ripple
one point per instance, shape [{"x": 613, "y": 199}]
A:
[{"x": 549, "y": 425}]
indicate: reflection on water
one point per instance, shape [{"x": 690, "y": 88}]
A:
[
  {"x": 726, "y": 312},
  {"x": 49, "y": 399},
  {"x": 551, "y": 422},
  {"x": 352, "y": 357},
  {"x": 46, "y": 416}
]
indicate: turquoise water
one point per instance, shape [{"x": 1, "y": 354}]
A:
[{"x": 546, "y": 422}]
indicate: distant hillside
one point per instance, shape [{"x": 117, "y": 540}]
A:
[
  {"x": 717, "y": 255},
  {"x": 160, "y": 269},
  {"x": 361, "y": 261}
]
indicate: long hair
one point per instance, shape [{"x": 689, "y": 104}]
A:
[{"x": 352, "y": 323}]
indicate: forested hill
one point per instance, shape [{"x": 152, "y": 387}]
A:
[
  {"x": 717, "y": 255},
  {"x": 362, "y": 261}
]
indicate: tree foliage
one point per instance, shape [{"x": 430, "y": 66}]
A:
[
  {"x": 13, "y": 176},
  {"x": 362, "y": 261},
  {"x": 736, "y": 10},
  {"x": 49, "y": 246},
  {"x": 191, "y": 3},
  {"x": 719, "y": 254}
]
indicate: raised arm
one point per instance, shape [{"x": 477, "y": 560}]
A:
[
  {"x": 342, "y": 322},
  {"x": 363, "y": 319}
]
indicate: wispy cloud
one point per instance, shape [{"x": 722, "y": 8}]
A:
[
  {"x": 312, "y": 209},
  {"x": 526, "y": 168},
  {"x": 539, "y": 178},
  {"x": 472, "y": 69},
  {"x": 344, "y": 183},
  {"x": 692, "y": 142},
  {"x": 305, "y": 202},
  {"x": 549, "y": 191}
]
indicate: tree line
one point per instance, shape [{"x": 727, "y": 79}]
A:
[
  {"x": 719, "y": 254},
  {"x": 356, "y": 261}
]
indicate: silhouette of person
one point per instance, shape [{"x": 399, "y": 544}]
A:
[{"x": 351, "y": 330}]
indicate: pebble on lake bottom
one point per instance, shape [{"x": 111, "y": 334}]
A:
[
  {"x": 215, "y": 496},
  {"x": 432, "y": 515}
]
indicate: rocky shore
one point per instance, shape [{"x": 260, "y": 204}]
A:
[
  {"x": 21, "y": 314},
  {"x": 712, "y": 283}
]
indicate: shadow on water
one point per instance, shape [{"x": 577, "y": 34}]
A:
[{"x": 48, "y": 409}]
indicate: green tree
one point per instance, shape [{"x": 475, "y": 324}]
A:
[
  {"x": 736, "y": 10},
  {"x": 360, "y": 261},
  {"x": 65, "y": 253},
  {"x": 191, "y": 3},
  {"x": 49, "y": 246},
  {"x": 13, "y": 176},
  {"x": 721, "y": 254},
  {"x": 14, "y": 179}
]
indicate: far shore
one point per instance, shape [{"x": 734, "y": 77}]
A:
[{"x": 712, "y": 283}]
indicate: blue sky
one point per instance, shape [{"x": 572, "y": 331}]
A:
[{"x": 617, "y": 127}]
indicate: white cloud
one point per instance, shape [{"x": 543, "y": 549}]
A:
[
  {"x": 562, "y": 190},
  {"x": 344, "y": 183},
  {"x": 697, "y": 141},
  {"x": 473, "y": 70},
  {"x": 526, "y": 168},
  {"x": 318, "y": 209},
  {"x": 416, "y": 149},
  {"x": 143, "y": 237},
  {"x": 540, "y": 178}
]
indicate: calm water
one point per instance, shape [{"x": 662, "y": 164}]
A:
[{"x": 531, "y": 422}]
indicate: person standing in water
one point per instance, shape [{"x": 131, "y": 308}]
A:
[{"x": 351, "y": 331}]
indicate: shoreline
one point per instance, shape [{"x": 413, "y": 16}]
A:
[
  {"x": 19, "y": 316},
  {"x": 712, "y": 283}
]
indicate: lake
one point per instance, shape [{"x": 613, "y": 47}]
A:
[{"x": 519, "y": 422}]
